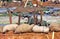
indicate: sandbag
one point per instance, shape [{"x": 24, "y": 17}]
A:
[
  {"x": 9, "y": 27},
  {"x": 24, "y": 28},
  {"x": 37, "y": 28},
  {"x": 55, "y": 26}
]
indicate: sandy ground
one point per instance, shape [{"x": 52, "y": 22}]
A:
[{"x": 10, "y": 35}]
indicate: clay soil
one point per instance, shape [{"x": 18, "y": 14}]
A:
[{"x": 11, "y": 35}]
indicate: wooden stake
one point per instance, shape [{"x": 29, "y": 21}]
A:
[
  {"x": 35, "y": 18},
  {"x": 53, "y": 35},
  {"x": 41, "y": 17},
  {"x": 19, "y": 19},
  {"x": 10, "y": 17}
]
